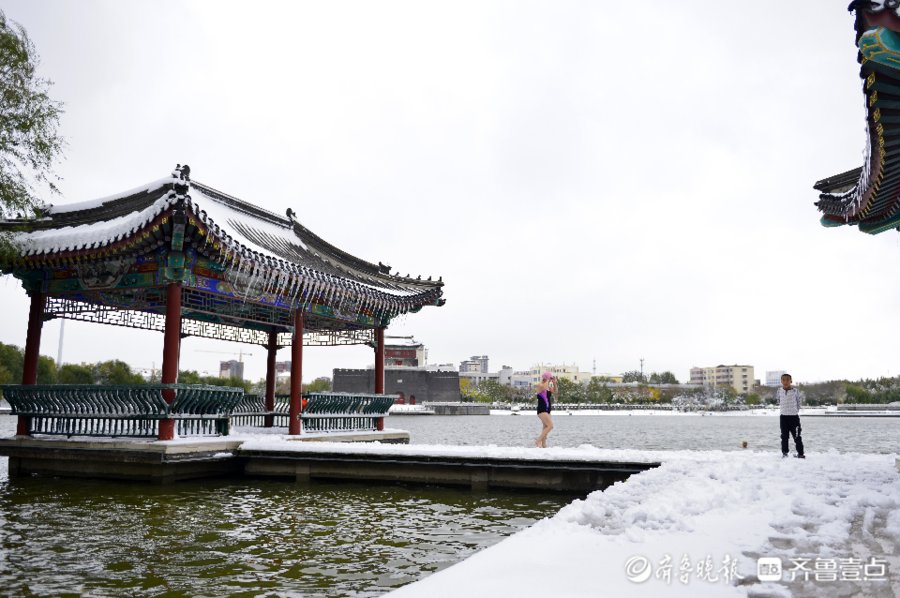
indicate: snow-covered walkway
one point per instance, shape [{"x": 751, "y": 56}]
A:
[{"x": 698, "y": 524}]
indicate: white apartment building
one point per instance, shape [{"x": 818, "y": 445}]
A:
[
  {"x": 569, "y": 372},
  {"x": 478, "y": 377},
  {"x": 739, "y": 377},
  {"x": 477, "y": 363},
  {"x": 521, "y": 379},
  {"x": 774, "y": 378}
]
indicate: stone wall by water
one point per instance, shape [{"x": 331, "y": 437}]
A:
[{"x": 424, "y": 385}]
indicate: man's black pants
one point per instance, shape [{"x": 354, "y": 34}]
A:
[{"x": 790, "y": 424}]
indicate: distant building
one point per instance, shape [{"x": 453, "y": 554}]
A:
[
  {"x": 569, "y": 372},
  {"x": 282, "y": 370},
  {"x": 521, "y": 379},
  {"x": 477, "y": 363},
  {"x": 479, "y": 377},
  {"x": 414, "y": 383},
  {"x": 739, "y": 377},
  {"x": 774, "y": 378},
  {"x": 404, "y": 352},
  {"x": 231, "y": 369}
]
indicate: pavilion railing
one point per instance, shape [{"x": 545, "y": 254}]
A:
[
  {"x": 198, "y": 410},
  {"x": 251, "y": 411},
  {"x": 322, "y": 411},
  {"x": 122, "y": 410},
  {"x": 340, "y": 412}
]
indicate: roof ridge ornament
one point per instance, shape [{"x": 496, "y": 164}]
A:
[
  {"x": 182, "y": 176},
  {"x": 182, "y": 173}
]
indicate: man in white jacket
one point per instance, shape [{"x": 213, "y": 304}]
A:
[{"x": 788, "y": 398}]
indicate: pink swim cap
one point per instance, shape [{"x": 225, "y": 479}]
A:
[{"x": 547, "y": 376}]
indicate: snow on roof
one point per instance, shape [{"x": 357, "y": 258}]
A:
[
  {"x": 262, "y": 234},
  {"x": 401, "y": 341},
  {"x": 96, "y": 203},
  {"x": 259, "y": 242},
  {"x": 233, "y": 220},
  {"x": 96, "y": 234}
]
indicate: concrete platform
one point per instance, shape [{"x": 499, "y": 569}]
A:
[
  {"x": 481, "y": 473},
  {"x": 146, "y": 459},
  {"x": 303, "y": 459},
  {"x": 133, "y": 459},
  {"x": 459, "y": 408}
]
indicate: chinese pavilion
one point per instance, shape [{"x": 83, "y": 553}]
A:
[
  {"x": 185, "y": 259},
  {"x": 869, "y": 196}
]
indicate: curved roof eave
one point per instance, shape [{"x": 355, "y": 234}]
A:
[{"x": 251, "y": 231}]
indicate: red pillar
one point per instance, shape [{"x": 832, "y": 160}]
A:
[
  {"x": 379, "y": 361},
  {"x": 171, "y": 350},
  {"x": 32, "y": 351},
  {"x": 379, "y": 370},
  {"x": 270, "y": 377},
  {"x": 296, "y": 374}
]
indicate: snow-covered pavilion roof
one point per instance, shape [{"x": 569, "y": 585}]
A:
[{"x": 246, "y": 238}]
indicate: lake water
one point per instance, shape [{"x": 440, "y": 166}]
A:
[
  {"x": 656, "y": 432},
  {"x": 270, "y": 538}
]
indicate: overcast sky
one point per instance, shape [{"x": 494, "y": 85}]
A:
[{"x": 602, "y": 181}]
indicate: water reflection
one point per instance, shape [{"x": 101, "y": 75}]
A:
[{"x": 244, "y": 538}]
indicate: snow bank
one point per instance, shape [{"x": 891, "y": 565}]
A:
[{"x": 698, "y": 524}]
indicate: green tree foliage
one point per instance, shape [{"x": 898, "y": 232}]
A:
[
  {"x": 322, "y": 384},
  {"x": 5, "y": 375},
  {"x": 597, "y": 391},
  {"x": 491, "y": 391},
  {"x": 115, "y": 372},
  {"x": 663, "y": 378},
  {"x": 570, "y": 392},
  {"x": 46, "y": 370},
  {"x": 634, "y": 376},
  {"x": 12, "y": 359},
  {"x": 71, "y": 373},
  {"x": 858, "y": 394},
  {"x": 192, "y": 377},
  {"x": 468, "y": 392},
  {"x": 29, "y": 142}
]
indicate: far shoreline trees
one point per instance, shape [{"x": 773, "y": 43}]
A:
[
  {"x": 115, "y": 371},
  {"x": 598, "y": 390}
]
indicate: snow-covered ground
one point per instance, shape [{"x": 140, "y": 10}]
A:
[
  {"x": 698, "y": 526},
  {"x": 704, "y": 523}
]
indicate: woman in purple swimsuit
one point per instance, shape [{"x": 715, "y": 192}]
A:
[{"x": 546, "y": 388}]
